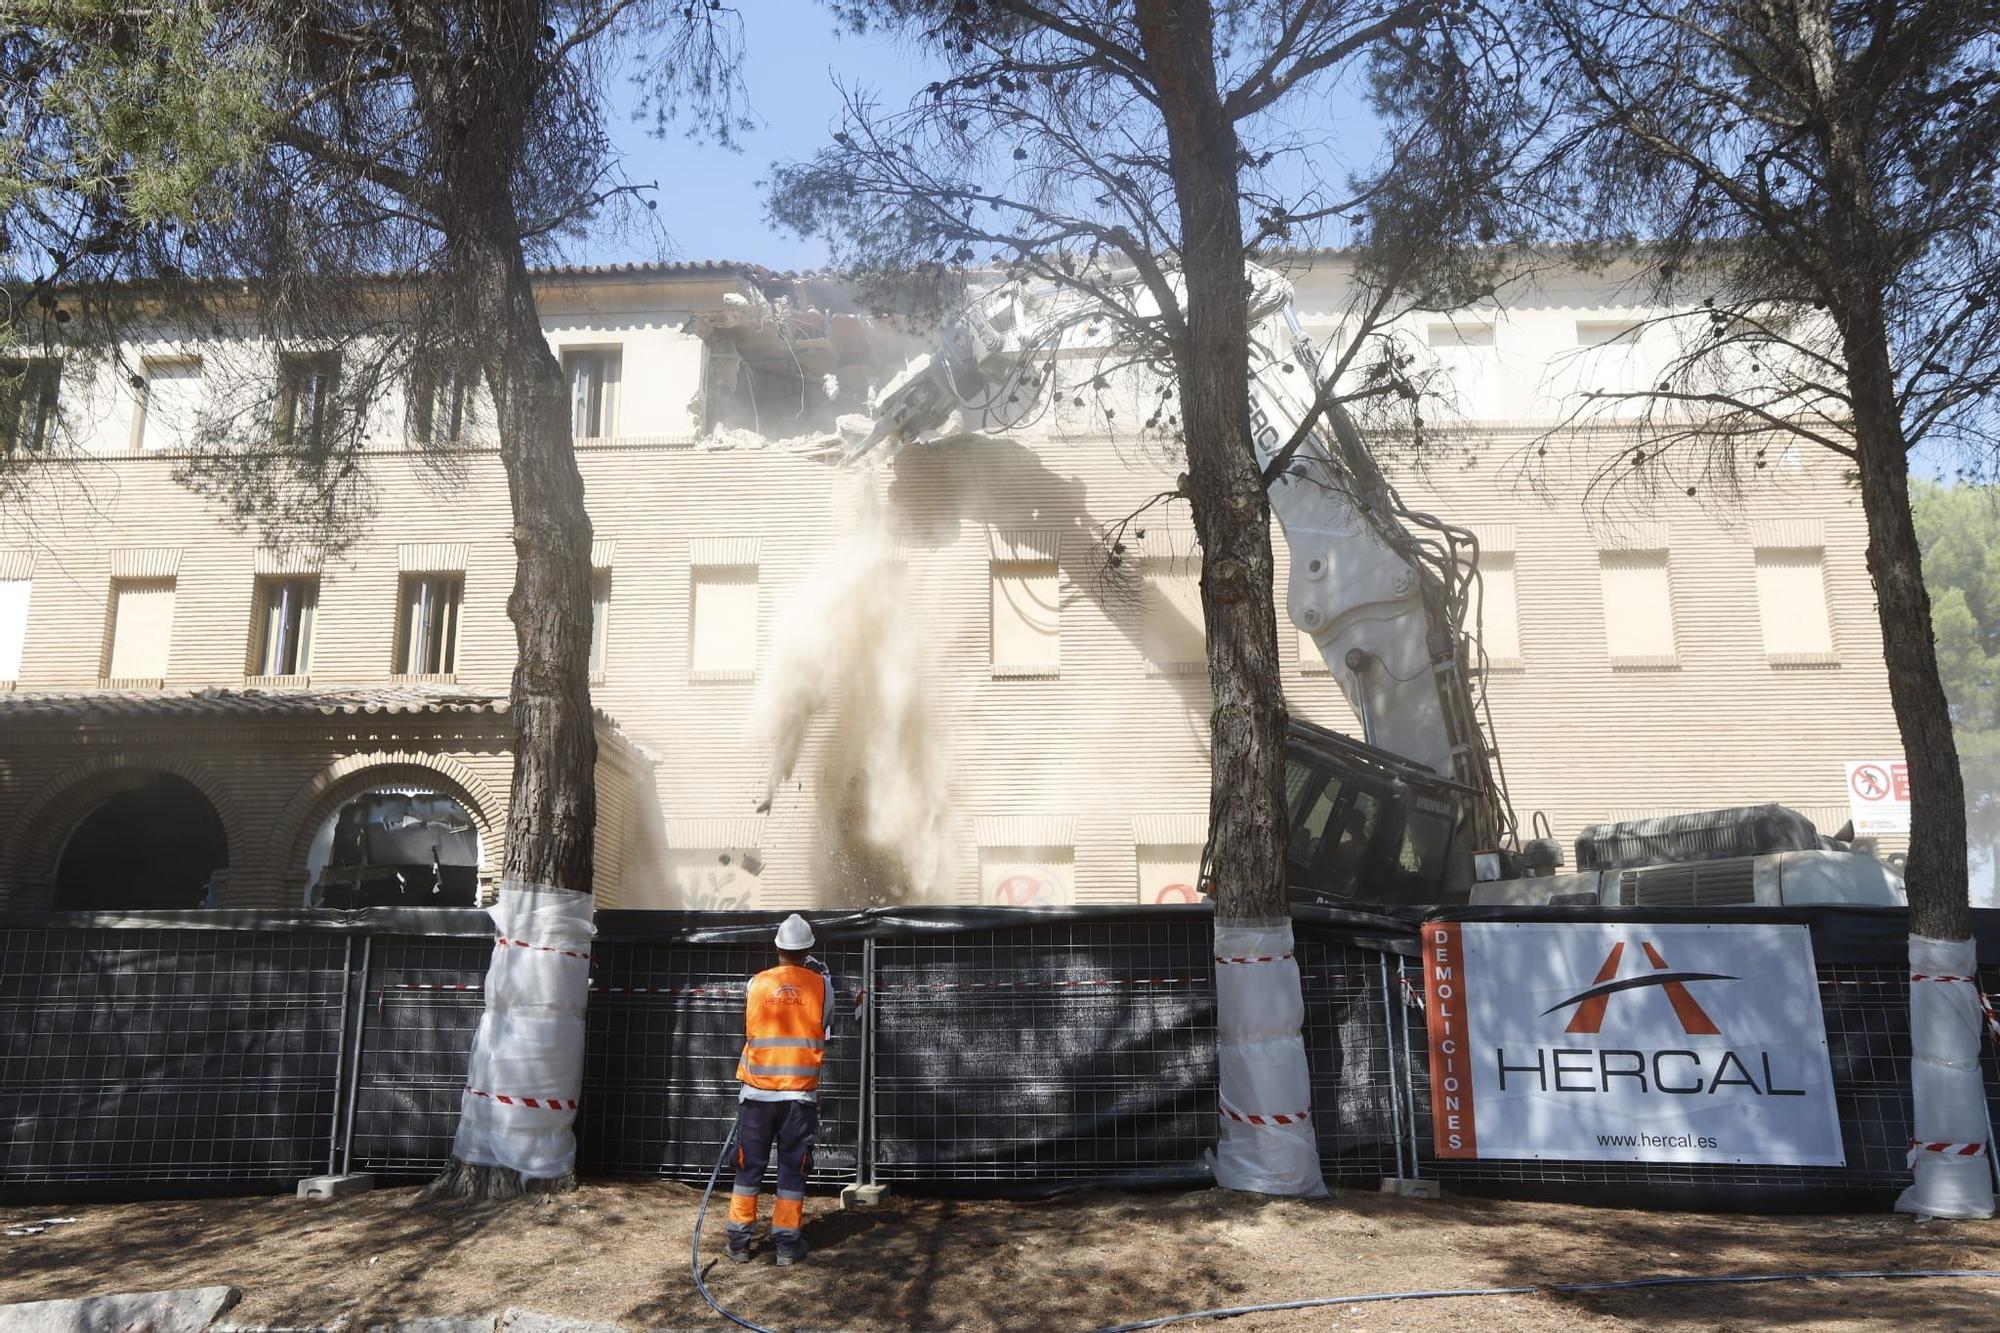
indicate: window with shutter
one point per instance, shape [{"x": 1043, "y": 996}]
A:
[
  {"x": 306, "y": 385},
  {"x": 1027, "y": 618},
  {"x": 1499, "y": 627},
  {"x": 427, "y": 638},
  {"x": 1175, "y": 640},
  {"x": 142, "y": 629},
  {"x": 600, "y": 612},
  {"x": 1791, "y": 602},
  {"x": 593, "y": 373},
  {"x": 723, "y": 623},
  {"x": 285, "y": 610},
  {"x": 169, "y": 404},
  {"x": 28, "y": 404},
  {"x": 1027, "y": 876},
  {"x": 13, "y": 626},
  {"x": 1638, "y": 609}
]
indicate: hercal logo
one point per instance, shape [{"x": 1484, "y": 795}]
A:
[
  {"x": 1591, "y": 1004},
  {"x": 786, "y": 994}
]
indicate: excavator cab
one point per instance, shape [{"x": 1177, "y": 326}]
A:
[{"x": 1368, "y": 829}]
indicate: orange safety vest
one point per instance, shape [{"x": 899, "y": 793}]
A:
[{"x": 784, "y": 1030}]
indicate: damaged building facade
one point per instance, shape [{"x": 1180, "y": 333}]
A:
[{"x": 983, "y": 710}]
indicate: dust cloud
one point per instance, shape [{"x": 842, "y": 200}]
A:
[{"x": 851, "y": 667}]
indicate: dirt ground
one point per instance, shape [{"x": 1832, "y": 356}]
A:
[{"x": 619, "y": 1251}]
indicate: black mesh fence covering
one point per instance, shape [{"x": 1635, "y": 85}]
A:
[
  {"x": 1071, "y": 1050},
  {"x": 132, "y": 1056},
  {"x": 1006, "y": 1050},
  {"x": 664, "y": 1028}
]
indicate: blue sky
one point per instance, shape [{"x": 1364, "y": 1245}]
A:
[{"x": 710, "y": 201}]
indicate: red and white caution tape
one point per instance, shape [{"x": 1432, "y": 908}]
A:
[
  {"x": 1260, "y": 958},
  {"x": 1294, "y": 1118},
  {"x": 1031, "y": 985},
  {"x": 1918, "y": 1149},
  {"x": 501, "y": 940},
  {"x": 532, "y": 1103},
  {"x": 1985, "y": 1000}
]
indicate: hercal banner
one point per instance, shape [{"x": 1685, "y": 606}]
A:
[{"x": 1628, "y": 1042}]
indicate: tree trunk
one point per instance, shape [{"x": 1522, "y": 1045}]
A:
[
  {"x": 552, "y": 804},
  {"x": 1231, "y": 509},
  {"x": 1266, "y": 1141},
  {"x": 1937, "y": 875}
]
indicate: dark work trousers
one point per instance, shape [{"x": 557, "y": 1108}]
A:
[{"x": 792, "y": 1126}]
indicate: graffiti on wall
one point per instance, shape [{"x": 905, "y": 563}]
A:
[
  {"x": 716, "y": 881},
  {"x": 1023, "y": 881}
]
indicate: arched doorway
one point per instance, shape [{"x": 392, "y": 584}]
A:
[
  {"x": 157, "y": 843},
  {"x": 395, "y": 846}
]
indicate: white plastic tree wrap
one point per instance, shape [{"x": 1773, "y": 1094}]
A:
[
  {"x": 526, "y": 1072},
  {"x": 1267, "y": 1144},
  {"x": 1951, "y": 1156}
]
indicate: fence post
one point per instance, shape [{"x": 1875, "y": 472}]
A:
[
  {"x": 864, "y": 1169},
  {"x": 340, "y": 1055},
  {"x": 1409, "y": 1063},
  {"x": 1389, "y": 1045},
  {"x": 354, "y": 1074}
]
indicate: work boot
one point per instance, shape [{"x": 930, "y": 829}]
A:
[
  {"x": 739, "y": 1250},
  {"x": 791, "y": 1251}
]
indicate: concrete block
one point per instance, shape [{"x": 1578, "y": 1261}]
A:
[
  {"x": 465, "y": 1323},
  {"x": 527, "y": 1321},
  {"x": 189, "y": 1311},
  {"x": 1412, "y": 1189},
  {"x": 862, "y": 1196},
  {"x": 333, "y": 1187}
]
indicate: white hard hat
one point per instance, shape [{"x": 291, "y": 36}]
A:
[{"x": 795, "y": 934}]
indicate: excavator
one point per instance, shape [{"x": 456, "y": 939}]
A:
[{"x": 1415, "y": 812}]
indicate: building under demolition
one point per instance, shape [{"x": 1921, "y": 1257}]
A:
[{"x": 977, "y": 705}]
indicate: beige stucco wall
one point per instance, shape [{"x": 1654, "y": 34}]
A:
[{"x": 1104, "y": 759}]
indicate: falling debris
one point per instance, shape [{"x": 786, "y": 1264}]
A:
[{"x": 851, "y": 667}]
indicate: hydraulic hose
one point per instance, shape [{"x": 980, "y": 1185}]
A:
[
  {"x": 1566, "y": 1288},
  {"x": 694, "y": 1251}
]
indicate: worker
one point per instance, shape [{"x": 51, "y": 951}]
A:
[{"x": 787, "y": 1021}]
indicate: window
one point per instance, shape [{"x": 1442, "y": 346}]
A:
[
  {"x": 13, "y": 625},
  {"x": 1043, "y": 876},
  {"x": 723, "y": 624},
  {"x": 600, "y": 609},
  {"x": 306, "y": 385},
  {"x": 1604, "y": 332},
  {"x": 1499, "y": 627},
  {"x": 428, "y": 639},
  {"x": 1791, "y": 601},
  {"x": 28, "y": 404},
  {"x": 285, "y": 610},
  {"x": 169, "y": 403},
  {"x": 1175, "y": 641},
  {"x": 142, "y": 628},
  {"x": 1458, "y": 333},
  {"x": 1168, "y": 873},
  {"x": 593, "y": 391},
  {"x": 440, "y": 407},
  {"x": 1027, "y": 618},
  {"x": 1638, "y": 608}
]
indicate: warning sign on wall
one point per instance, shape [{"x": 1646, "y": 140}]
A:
[{"x": 1878, "y": 796}]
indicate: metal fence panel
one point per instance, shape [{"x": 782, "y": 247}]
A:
[
  {"x": 1355, "y": 1103},
  {"x": 665, "y": 1027},
  {"x": 1045, "y": 1052},
  {"x": 421, "y": 1006},
  {"x": 167, "y": 1055}
]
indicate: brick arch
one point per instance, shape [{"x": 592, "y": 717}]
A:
[
  {"x": 49, "y": 817},
  {"x": 293, "y": 829}
]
